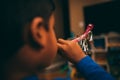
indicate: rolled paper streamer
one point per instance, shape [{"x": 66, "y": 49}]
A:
[{"x": 84, "y": 35}]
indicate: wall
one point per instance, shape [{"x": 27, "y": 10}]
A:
[
  {"x": 59, "y": 24},
  {"x": 76, "y": 13}
]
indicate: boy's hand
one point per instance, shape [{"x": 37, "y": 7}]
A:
[{"x": 71, "y": 49}]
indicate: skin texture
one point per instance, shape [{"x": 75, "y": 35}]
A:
[
  {"x": 29, "y": 60},
  {"x": 71, "y": 50}
]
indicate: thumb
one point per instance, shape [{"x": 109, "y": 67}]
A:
[{"x": 60, "y": 46}]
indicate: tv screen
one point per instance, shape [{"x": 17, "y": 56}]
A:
[{"x": 105, "y": 17}]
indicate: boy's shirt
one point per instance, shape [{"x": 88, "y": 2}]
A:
[
  {"x": 89, "y": 69},
  {"x": 34, "y": 77}
]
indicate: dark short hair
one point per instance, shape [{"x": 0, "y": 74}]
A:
[{"x": 15, "y": 15}]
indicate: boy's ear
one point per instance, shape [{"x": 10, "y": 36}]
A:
[{"x": 38, "y": 31}]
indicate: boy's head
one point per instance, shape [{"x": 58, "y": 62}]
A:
[{"x": 27, "y": 33}]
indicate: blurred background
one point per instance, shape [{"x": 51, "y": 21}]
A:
[{"x": 72, "y": 17}]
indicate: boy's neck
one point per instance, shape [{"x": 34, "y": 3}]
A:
[
  {"x": 14, "y": 72},
  {"x": 15, "y": 75}
]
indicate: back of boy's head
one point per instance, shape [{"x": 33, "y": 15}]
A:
[{"x": 16, "y": 15}]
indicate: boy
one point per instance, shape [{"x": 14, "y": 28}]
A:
[{"x": 28, "y": 42}]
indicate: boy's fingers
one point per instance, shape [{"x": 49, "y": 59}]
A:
[
  {"x": 62, "y": 41},
  {"x": 60, "y": 46}
]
